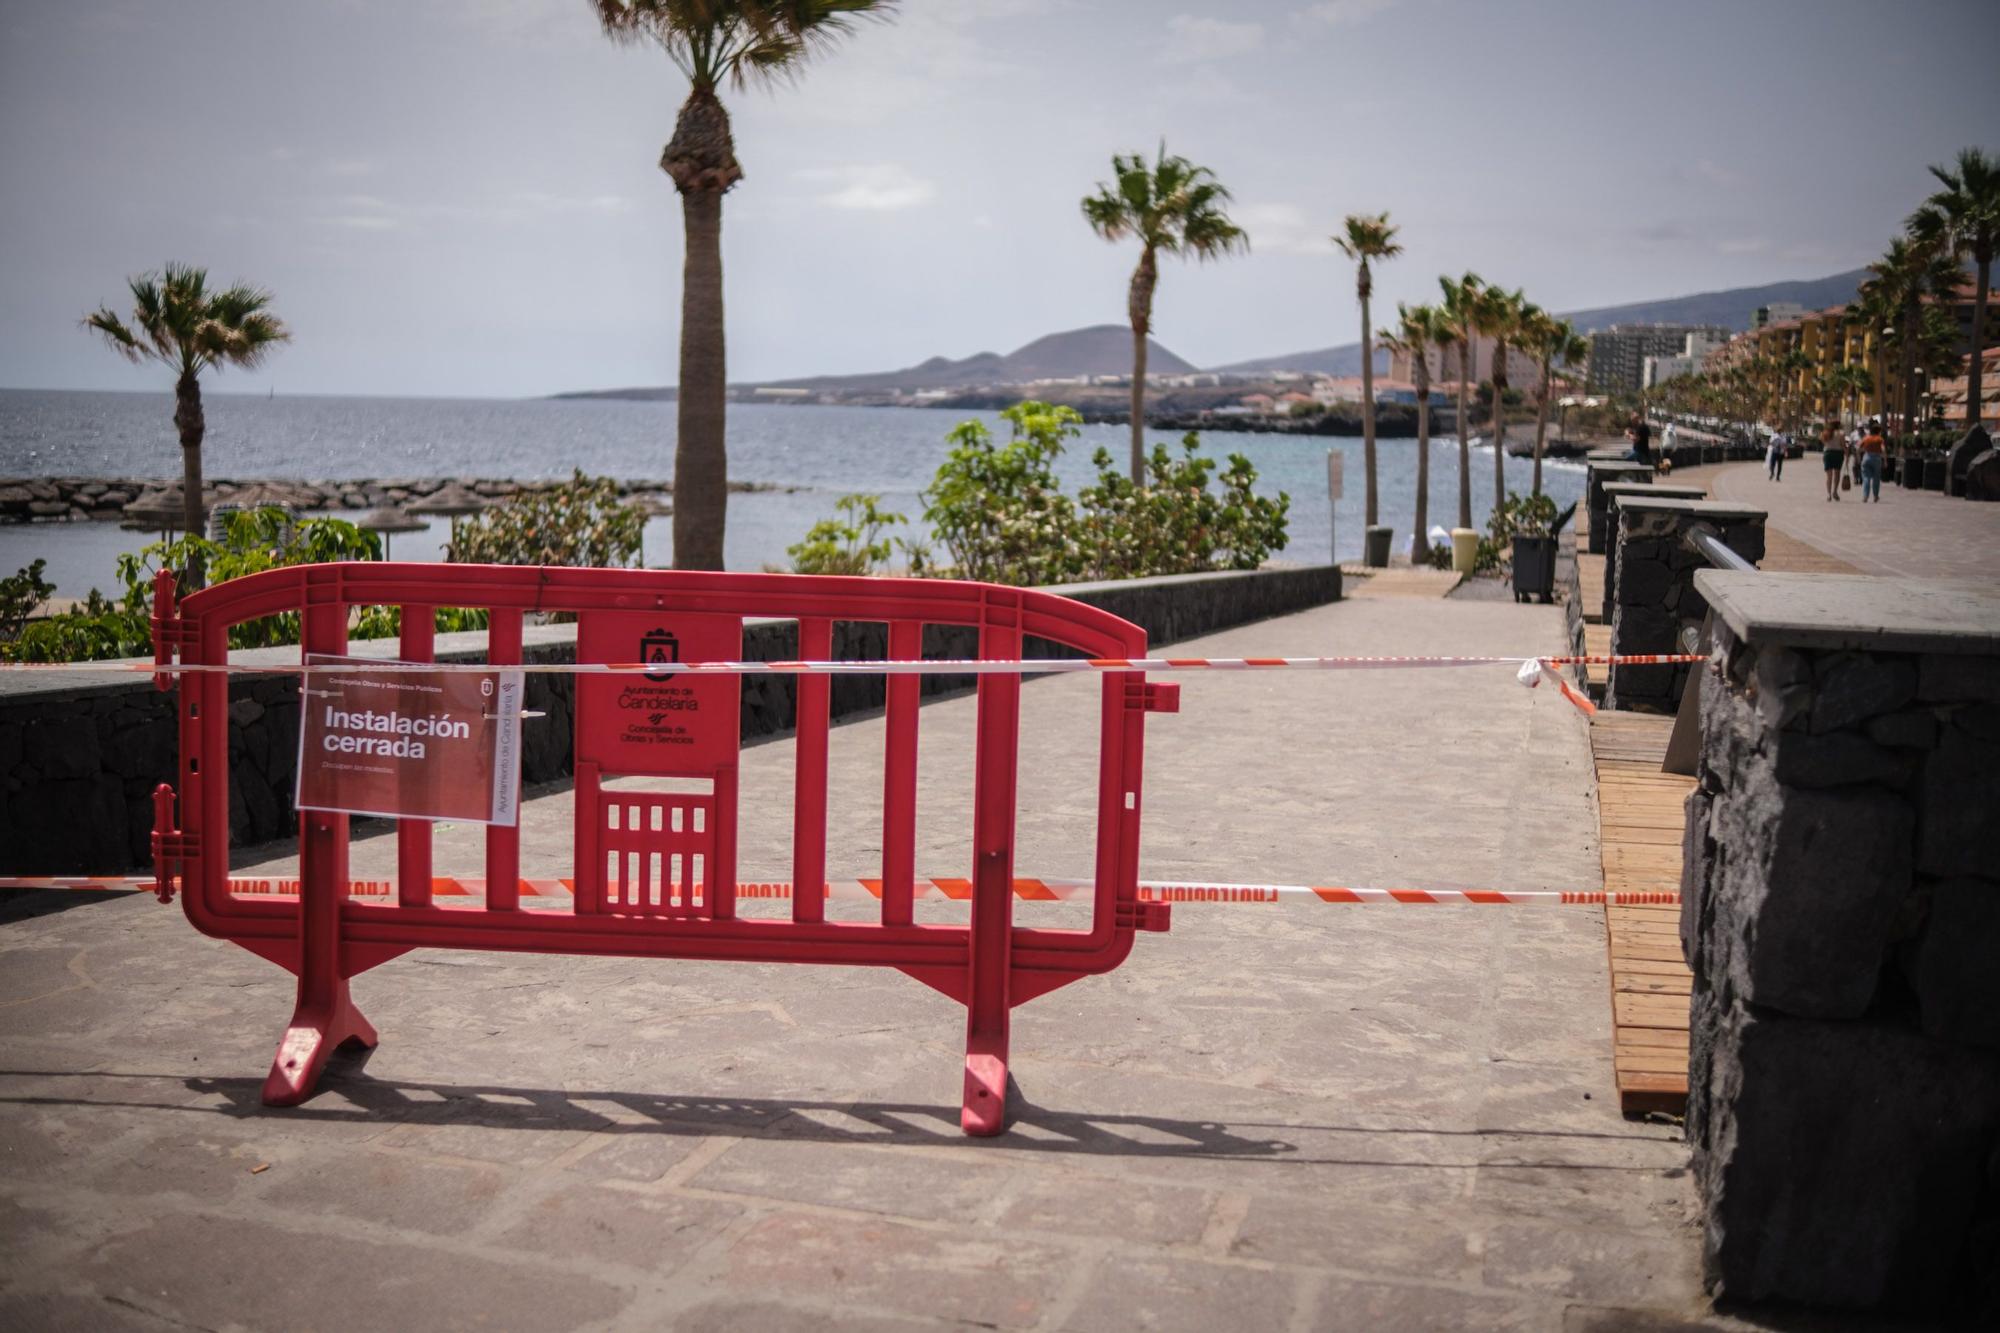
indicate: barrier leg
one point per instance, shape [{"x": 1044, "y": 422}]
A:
[
  {"x": 325, "y": 1016},
  {"x": 987, "y": 1002}
]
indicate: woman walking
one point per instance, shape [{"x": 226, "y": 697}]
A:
[
  {"x": 1873, "y": 449},
  {"x": 1833, "y": 450}
]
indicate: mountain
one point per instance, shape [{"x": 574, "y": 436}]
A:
[
  {"x": 1101, "y": 349},
  {"x": 1734, "y": 309}
]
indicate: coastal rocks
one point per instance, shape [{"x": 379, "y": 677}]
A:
[
  {"x": 101, "y": 499},
  {"x": 1841, "y": 914}
]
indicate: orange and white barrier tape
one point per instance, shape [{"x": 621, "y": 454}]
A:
[
  {"x": 880, "y": 666},
  {"x": 960, "y": 890}
]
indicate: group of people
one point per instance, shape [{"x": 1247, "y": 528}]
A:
[{"x": 1857, "y": 456}]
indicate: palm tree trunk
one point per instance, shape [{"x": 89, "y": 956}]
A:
[
  {"x": 1371, "y": 509},
  {"x": 1541, "y": 426},
  {"x": 1139, "y": 309},
  {"x": 1420, "y": 542},
  {"x": 191, "y": 424},
  {"x": 701, "y": 455},
  {"x": 1975, "y": 381},
  {"x": 1499, "y": 423},
  {"x": 1464, "y": 440}
]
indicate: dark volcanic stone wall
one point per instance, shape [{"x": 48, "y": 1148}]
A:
[
  {"x": 78, "y": 764},
  {"x": 1653, "y": 596},
  {"x": 1841, "y": 913}
]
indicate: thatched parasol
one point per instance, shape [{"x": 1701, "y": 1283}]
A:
[
  {"x": 387, "y": 520},
  {"x": 160, "y": 510},
  {"x": 451, "y": 499}
]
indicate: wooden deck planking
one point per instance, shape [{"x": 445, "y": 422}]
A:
[
  {"x": 1640, "y": 826},
  {"x": 1590, "y": 586}
]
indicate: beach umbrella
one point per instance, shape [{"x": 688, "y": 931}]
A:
[
  {"x": 389, "y": 519},
  {"x": 451, "y": 500},
  {"x": 159, "y": 510}
]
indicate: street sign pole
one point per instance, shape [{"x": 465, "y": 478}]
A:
[{"x": 1333, "y": 462}]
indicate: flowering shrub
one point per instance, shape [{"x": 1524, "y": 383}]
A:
[
  {"x": 581, "y": 522},
  {"x": 849, "y": 543}
]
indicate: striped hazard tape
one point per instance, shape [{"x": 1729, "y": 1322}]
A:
[
  {"x": 959, "y": 890},
  {"x": 883, "y": 667}
]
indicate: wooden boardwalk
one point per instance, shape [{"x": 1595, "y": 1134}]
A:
[
  {"x": 1590, "y": 586},
  {"x": 1640, "y": 823}
]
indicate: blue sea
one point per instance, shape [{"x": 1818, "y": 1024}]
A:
[{"x": 814, "y": 454}]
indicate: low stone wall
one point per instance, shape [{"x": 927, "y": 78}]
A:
[
  {"x": 80, "y": 754},
  {"x": 1613, "y": 492},
  {"x": 1600, "y": 473},
  {"x": 1654, "y": 596},
  {"x": 1841, "y": 914}
]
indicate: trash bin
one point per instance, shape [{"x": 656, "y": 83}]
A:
[
  {"x": 1375, "y": 549},
  {"x": 1464, "y": 549}
]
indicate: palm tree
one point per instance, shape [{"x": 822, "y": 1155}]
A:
[
  {"x": 712, "y": 42},
  {"x": 1460, "y": 309},
  {"x": 1172, "y": 206},
  {"x": 1555, "y": 342},
  {"x": 1367, "y": 237},
  {"x": 1419, "y": 329},
  {"x": 1969, "y": 206},
  {"x": 179, "y": 322},
  {"x": 1497, "y": 314}
]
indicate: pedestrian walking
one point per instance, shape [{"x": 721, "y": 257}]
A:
[
  {"x": 1774, "y": 455},
  {"x": 1873, "y": 451},
  {"x": 1833, "y": 453}
]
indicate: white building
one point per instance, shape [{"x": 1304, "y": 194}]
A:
[
  {"x": 1778, "y": 312},
  {"x": 1694, "y": 350}
]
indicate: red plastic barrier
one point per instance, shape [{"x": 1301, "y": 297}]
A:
[{"x": 655, "y": 873}]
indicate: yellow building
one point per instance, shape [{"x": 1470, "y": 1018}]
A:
[{"x": 1824, "y": 339}]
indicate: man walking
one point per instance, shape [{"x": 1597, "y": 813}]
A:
[{"x": 1774, "y": 456}]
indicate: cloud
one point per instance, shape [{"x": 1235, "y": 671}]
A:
[
  {"x": 885, "y": 188},
  {"x": 1282, "y": 229},
  {"x": 1192, "y": 40},
  {"x": 349, "y": 166},
  {"x": 1334, "y": 12}
]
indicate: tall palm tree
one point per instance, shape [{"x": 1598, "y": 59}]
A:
[
  {"x": 1366, "y": 238},
  {"x": 1969, "y": 206},
  {"x": 1171, "y": 206},
  {"x": 1554, "y": 342},
  {"x": 1497, "y": 314},
  {"x": 1418, "y": 330},
  {"x": 713, "y": 42},
  {"x": 177, "y": 321},
  {"x": 1460, "y": 308}
]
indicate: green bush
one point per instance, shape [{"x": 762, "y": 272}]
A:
[
  {"x": 998, "y": 509},
  {"x": 581, "y": 522},
  {"x": 20, "y": 594},
  {"x": 1175, "y": 524},
  {"x": 849, "y": 543},
  {"x": 253, "y": 540},
  {"x": 1001, "y": 515}
]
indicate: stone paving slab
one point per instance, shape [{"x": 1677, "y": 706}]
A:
[
  {"x": 1913, "y": 534},
  {"x": 1327, "y": 1117}
]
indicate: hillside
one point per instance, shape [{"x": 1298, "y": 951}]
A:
[
  {"x": 1101, "y": 349},
  {"x": 1732, "y": 308}
]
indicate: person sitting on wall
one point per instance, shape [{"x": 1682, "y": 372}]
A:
[{"x": 1640, "y": 433}]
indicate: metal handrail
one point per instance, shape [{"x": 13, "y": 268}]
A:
[{"x": 1706, "y": 542}]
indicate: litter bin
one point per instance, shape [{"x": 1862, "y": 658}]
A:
[
  {"x": 1464, "y": 549},
  {"x": 1375, "y": 549}
]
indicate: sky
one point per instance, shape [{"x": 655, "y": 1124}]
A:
[{"x": 462, "y": 197}]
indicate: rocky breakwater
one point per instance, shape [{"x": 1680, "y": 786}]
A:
[{"x": 104, "y": 499}]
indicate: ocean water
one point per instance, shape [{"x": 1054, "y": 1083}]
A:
[{"x": 815, "y": 454}]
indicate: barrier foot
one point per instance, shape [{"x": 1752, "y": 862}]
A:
[
  {"x": 317, "y": 1029},
  {"x": 985, "y": 1110}
]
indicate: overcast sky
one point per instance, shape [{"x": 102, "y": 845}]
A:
[{"x": 461, "y": 197}]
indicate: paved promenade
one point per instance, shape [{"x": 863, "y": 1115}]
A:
[
  {"x": 1910, "y": 534},
  {"x": 1285, "y": 1118}
]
